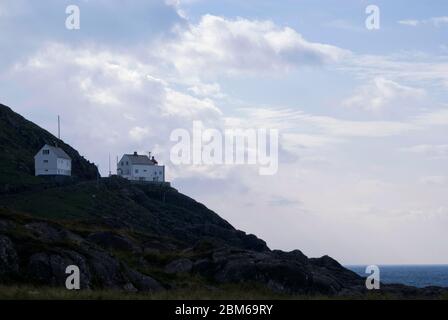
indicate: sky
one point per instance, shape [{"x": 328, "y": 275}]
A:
[{"x": 362, "y": 114}]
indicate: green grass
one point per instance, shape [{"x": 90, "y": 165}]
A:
[
  {"x": 227, "y": 292},
  {"x": 47, "y": 203}
]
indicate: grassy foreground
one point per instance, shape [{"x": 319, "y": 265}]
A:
[
  {"x": 229, "y": 292},
  {"x": 226, "y": 292}
]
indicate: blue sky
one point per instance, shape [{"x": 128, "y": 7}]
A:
[{"x": 362, "y": 114}]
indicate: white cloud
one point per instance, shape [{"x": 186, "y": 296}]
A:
[
  {"x": 406, "y": 67},
  {"x": 244, "y": 46},
  {"x": 207, "y": 90},
  {"x": 293, "y": 120},
  {"x": 290, "y": 141},
  {"x": 409, "y": 22},
  {"x": 139, "y": 133},
  {"x": 116, "y": 100},
  {"x": 184, "y": 105},
  {"x": 382, "y": 93},
  {"x": 435, "y": 21},
  {"x": 429, "y": 150},
  {"x": 433, "y": 118},
  {"x": 435, "y": 180}
]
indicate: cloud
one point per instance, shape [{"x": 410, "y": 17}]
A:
[
  {"x": 435, "y": 21},
  {"x": 410, "y": 22},
  {"x": 217, "y": 44},
  {"x": 432, "y": 151},
  {"x": 433, "y": 118},
  {"x": 281, "y": 201},
  {"x": 406, "y": 67},
  {"x": 293, "y": 120},
  {"x": 301, "y": 140},
  {"x": 435, "y": 180},
  {"x": 184, "y": 105},
  {"x": 207, "y": 90},
  {"x": 382, "y": 93},
  {"x": 115, "y": 99},
  {"x": 139, "y": 133}
]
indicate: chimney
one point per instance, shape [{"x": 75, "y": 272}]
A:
[
  {"x": 135, "y": 153},
  {"x": 149, "y": 154}
]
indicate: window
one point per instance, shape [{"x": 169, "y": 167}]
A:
[
  {"x": 127, "y": 163},
  {"x": 45, "y": 151},
  {"x": 136, "y": 170},
  {"x": 45, "y": 161}
]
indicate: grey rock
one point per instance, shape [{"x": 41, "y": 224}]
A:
[
  {"x": 143, "y": 282},
  {"x": 179, "y": 266},
  {"x": 52, "y": 233},
  {"x": 105, "y": 269},
  {"x": 9, "y": 262},
  {"x": 49, "y": 268},
  {"x": 129, "y": 287},
  {"x": 110, "y": 240},
  {"x": 6, "y": 225},
  {"x": 266, "y": 268}
]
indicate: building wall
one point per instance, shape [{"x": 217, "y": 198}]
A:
[
  {"x": 50, "y": 164},
  {"x": 140, "y": 172},
  {"x": 148, "y": 173},
  {"x": 64, "y": 167},
  {"x": 124, "y": 168}
]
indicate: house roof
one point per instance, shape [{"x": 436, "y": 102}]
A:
[
  {"x": 139, "y": 159},
  {"x": 57, "y": 151}
]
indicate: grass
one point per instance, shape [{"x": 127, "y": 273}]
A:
[
  {"x": 228, "y": 292},
  {"x": 225, "y": 292},
  {"x": 47, "y": 203}
]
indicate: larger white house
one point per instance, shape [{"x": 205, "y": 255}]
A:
[
  {"x": 52, "y": 161},
  {"x": 136, "y": 167}
]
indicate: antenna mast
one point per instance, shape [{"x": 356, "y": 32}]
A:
[
  {"x": 110, "y": 172},
  {"x": 59, "y": 128}
]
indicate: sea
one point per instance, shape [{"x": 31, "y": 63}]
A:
[{"x": 413, "y": 275}]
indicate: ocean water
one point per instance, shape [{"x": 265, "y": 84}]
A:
[{"x": 413, "y": 275}]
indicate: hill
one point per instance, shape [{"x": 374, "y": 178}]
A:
[
  {"x": 139, "y": 237},
  {"x": 20, "y": 140}
]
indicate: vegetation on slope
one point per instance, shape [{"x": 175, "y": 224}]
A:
[{"x": 20, "y": 140}]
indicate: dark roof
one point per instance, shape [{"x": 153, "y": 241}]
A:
[
  {"x": 139, "y": 159},
  {"x": 58, "y": 152}
]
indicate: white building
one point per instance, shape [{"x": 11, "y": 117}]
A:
[
  {"x": 137, "y": 167},
  {"x": 52, "y": 161}
]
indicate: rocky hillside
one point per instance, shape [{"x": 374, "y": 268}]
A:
[
  {"x": 20, "y": 140},
  {"x": 136, "y": 237}
]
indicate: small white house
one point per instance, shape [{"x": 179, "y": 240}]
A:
[
  {"x": 137, "y": 167},
  {"x": 52, "y": 161}
]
